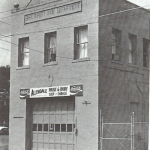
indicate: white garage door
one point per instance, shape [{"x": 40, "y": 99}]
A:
[{"x": 54, "y": 124}]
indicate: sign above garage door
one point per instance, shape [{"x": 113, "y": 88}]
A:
[{"x": 56, "y": 91}]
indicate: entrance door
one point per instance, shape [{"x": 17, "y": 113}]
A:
[{"x": 54, "y": 124}]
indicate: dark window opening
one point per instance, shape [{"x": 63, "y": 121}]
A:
[
  {"x": 81, "y": 42},
  {"x": 69, "y": 128},
  {"x": 146, "y": 49},
  {"x": 57, "y": 127},
  {"x": 39, "y": 127},
  {"x": 34, "y": 127},
  {"x": 50, "y": 47},
  {"x": 116, "y": 44},
  {"x": 63, "y": 127},
  {"x": 45, "y": 127},
  {"x": 23, "y": 52},
  {"x": 132, "y": 49}
]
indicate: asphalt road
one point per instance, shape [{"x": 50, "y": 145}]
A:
[{"x": 4, "y": 142}]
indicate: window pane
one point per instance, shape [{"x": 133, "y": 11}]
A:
[
  {"x": 26, "y": 46},
  {"x": 146, "y": 48},
  {"x": 63, "y": 127},
  {"x": 50, "y": 47},
  {"x": 25, "y": 59},
  {"x": 23, "y": 54},
  {"x": 82, "y": 34},
  {"x": 116, "y": 43},
  {"x": 45, "y": 127},
  {"x": 57, "y": 127},
  {"x": 34, "y": 127},
  {"x": 69, "y": 127},
  {"x": 81, "y": 42},
  {"x": 51, "y": 127},
  {"x": 132, "y": 48},
  {"x": 39, "y": 127}
]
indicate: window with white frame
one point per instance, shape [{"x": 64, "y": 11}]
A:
[
  {"x": 50, "y": 47},
  {"x": 81, "y": 42},
  {"x": 116, "y": 44},
  {"x": 132, "y": 48},
  {"x": 146, "y": 49},
  {"x": 23, "y": 53}
]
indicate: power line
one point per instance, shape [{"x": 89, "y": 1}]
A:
[
  {"x": 77, "y": 21},
  {"x": 124, "y": 11},
  {"x": 66, "y": 2},
  {"x": 5, "y": 49},
  {"x": 24, "y": 9},
  {"x": 56, "y": 56},
  {"x": 5, "y": 22}
]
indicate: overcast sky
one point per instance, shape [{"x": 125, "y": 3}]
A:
[{"x": 5, "y": 25}]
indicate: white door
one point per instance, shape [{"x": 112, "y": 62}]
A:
[{"x": 54, "y": 124}]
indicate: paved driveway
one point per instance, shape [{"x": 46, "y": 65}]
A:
[{"x": 4, "y": 142}]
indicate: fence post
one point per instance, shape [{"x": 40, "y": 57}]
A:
[
  {"x": 100, "y": 129},
  {"x": 102, "y": 136},
  {"x": 131, "y": 133},
  {"x": 133, "y": 128}
]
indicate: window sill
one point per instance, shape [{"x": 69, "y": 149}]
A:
[
  {"x": 145, "y": 68},
  {"x": 117, "y": 62},
  {"x": 81, "y": 60},
  {"x": 51, "y": 63},
  {"x": 133, "y": 65},
  {"x": 23, "y": 67}
]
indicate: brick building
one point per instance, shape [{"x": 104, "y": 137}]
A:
[{"x": 79, "y": 69}]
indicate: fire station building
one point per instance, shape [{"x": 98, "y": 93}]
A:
[{"x": 79, "y": 75}]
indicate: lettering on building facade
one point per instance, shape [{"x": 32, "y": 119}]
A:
[{"x": 71, "y": 7}]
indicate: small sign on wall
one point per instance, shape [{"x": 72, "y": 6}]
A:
[{"x": 24, "y": 93}]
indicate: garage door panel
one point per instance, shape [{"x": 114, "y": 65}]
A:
[
  {"x": 58, "y": 106},
  {"x": 46, "y": 118},
  {"x": 51, "y": 138},
  {"x": 40, "y": 118},
  {"x": 64, "y": 106},
  {"x": 52, "y": 146},
  {"x": 46, "y": 137},
  {"x": 35, "y": 118},
  {"x": 63, "y": 138},
  {"x": 46, "y": 146},
  {"x": 52, "y": 118},
  {"x": 63, "y": 118},
  {"x": 64, "y": 147},
  {"x": 40, "y": 137},
  {"x": 70, "y": 147},
  {"x": 46, "y": 108},
  {"x": 53, "y": 124}
]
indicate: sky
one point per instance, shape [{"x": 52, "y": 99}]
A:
[{"x": 5, "y": 26}]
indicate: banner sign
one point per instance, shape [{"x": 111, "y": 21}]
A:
[
  {"x": 56, "y": 91},
  {"x": 59, "y": 91},
  {"x": 39, "y": 92},
  {"x": 24, "y": 93},
  {"x": 72, "y": 7}
]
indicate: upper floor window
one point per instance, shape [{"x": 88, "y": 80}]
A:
[
  {"x": 132, "y": 48},
  {"x": 50, "y": 47},
  {"x": 23, "y": 52},
  {"x": 116, "y": 44},
  {"x": 81, "y": 42},
  {"x": 146, "y": 49}
]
